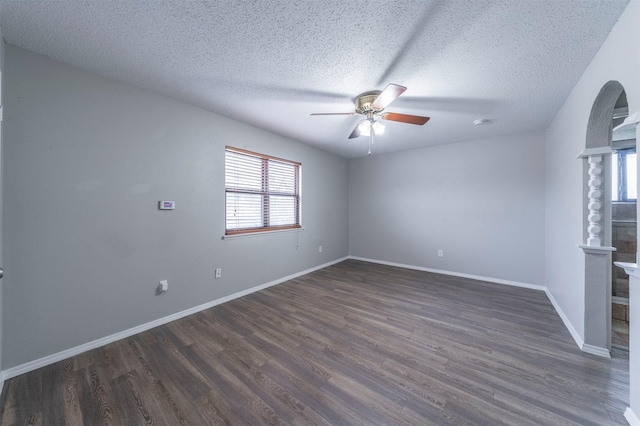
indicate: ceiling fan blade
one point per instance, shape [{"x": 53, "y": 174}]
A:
[
  {"x": 388, "y": 95},
  {"x": 334, "y": 113},
  {"x": 355, "y": 133},
  {"x": 405, "y": 118}
]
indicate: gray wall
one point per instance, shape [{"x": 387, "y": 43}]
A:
[
  {"x": 86, "y": 161},
  {"x": 481, "y": 201},
  {"x": 566, "y": 137}
]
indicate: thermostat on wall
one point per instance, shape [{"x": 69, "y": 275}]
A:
[{"x": 167, "y": 205}]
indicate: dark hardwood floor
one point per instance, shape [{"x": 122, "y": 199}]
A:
[{"x": 354, "y": 343}]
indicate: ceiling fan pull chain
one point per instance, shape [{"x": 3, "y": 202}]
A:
[{"x": 371, "y": 140}]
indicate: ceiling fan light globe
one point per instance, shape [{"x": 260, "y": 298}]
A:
[
  {"x": 364, "y": 128},
  {"x": 378, "y": 127}
]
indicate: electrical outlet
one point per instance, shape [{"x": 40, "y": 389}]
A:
[
  {"x": 162, "y": 288},
  {"x": 319, "y": 249},
  {"x": 440, "y": 253},
  {"x": 218, "y": 273}
]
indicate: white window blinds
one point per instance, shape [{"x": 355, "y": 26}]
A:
[{"x": 262, "y": 192}]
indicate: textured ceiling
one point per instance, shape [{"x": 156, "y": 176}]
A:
[{"x": 272, "y": 63}]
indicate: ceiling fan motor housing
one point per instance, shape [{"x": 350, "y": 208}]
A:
[{"x": 364, "y": 101}]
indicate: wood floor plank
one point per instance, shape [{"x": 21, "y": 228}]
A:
[
  {"x": 127, "y": 398},
  {"x": 96, "y": 398},
  {"x": 283, "y": 404},
  {"x": 217, "y": 374},
  {"x": 311, "y": 396},
  {"x": 355, "y": 343},
  {"x": 215, "y": 409},
  {"x": 168, "y": 398},
  {"x": 22, "y": 398}
]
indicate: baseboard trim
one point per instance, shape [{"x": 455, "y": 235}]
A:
[
  {"x": 565, "y": 320},
  {"x": 596, "y": 350},
  {"x": 59, "y": 356},
  {"x": 631, "y": 417},
  {"x": 584, "y": 347},
  {"x": 453, "y": 274}
]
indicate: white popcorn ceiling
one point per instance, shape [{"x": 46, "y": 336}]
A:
[{"x": 272, "y": 63}]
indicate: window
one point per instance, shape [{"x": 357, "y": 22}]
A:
[
  {"x": 262, "y": 192},
  {"x": 624, "y": 175}
]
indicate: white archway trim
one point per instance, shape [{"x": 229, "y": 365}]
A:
[
  {"x": 596, "y": 249},
  {"x": 587, "y": 152}
]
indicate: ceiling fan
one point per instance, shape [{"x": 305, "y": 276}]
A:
[{"x": 371, "y": 105}]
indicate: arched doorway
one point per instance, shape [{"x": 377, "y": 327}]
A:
[{"x": 597, "y": 219}]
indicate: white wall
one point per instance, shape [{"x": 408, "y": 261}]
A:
[
  {"x": 481, "y": 202},
  {"x": 618, "y": 59},
  {"x": 86, "y": 161}
]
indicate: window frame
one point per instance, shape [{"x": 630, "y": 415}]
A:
[{"x": 265, "y": 193}]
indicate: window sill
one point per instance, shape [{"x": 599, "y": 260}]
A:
[{"x": 258, "y": 234}]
